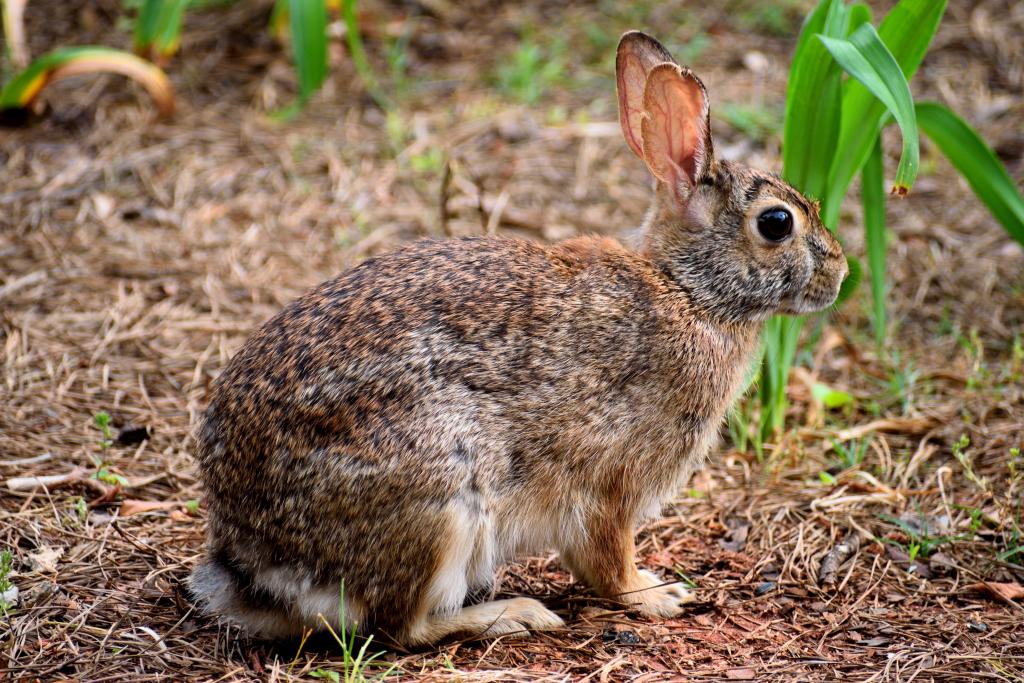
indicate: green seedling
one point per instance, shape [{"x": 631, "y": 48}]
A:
[
  {"x": 6, "y": 566},
  {"x": 356, "y": 665},
  {"x": 760, "y": 123},
  {"x": 530, "y": 71},
  {"x": 850, "y": 455},
  {"x": 922, "y": 543},
  {"x": 101, "y": 420}
]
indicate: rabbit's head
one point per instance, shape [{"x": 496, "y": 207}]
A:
[{"x": 741, "y": 242}]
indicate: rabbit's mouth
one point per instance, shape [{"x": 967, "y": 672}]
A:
[{"x": 818, "y": 295}]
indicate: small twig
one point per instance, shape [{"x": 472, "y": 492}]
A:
[
  {"x": 52, "y": 481},
  {"x": 18, "y": 462},
  {"x": 443, "y": 195}
]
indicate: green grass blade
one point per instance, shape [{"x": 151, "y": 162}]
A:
[
  {"x": 26, "y": 85},
  {"x": 169, "y": 37},
  {"x": 308, "y": 23},
  {"x": 865, "y": 57},
  {"x": 158, "y": 27},
  {"x": 359, "y": 60},
  {"x": 812, "y": 120},
  {"x": 977, "y": 163},
  {"x": 872, "y": 192},
  {"x": 147, "y": 24},
  {"x": 907, "y": 31}
]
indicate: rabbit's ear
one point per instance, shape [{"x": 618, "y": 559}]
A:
[
  {"x": 676, "y": 127},
  {"x": 637, "y": 54}
]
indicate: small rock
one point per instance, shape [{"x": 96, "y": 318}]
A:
[
  {"x": 10, "y": 596},
  {"x": 977, "y": 626},
  {"x": 755, "y": 61},
  {"x": 763, "y": 588},
  {"x": 743, "y": 674},
  {"x": 621, "y": 636}
]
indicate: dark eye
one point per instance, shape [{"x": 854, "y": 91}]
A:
[{"x": 775, "y": 224}]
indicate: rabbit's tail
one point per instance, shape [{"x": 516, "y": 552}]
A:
[{"x": 277, "y": 603}]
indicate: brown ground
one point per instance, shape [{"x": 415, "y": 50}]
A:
[{"x": 136, "y": 255}]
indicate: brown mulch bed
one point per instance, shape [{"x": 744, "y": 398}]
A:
[{"x": 135, "y": 256}]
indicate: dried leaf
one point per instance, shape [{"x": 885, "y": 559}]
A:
[
  {"x": 736, "y": 539},
  {"x": 1006, "y": 592},
  {"x": 45, "y": 559},
  {"x": 743, "y": 674}
]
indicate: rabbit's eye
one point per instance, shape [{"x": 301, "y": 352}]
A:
[{"x": 775, "y": 225}]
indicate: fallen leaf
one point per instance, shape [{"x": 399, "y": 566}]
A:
[
  {"x": 1001, "y": 591},
  {"x": 743, "y": 674},
  {"x": 45, "y": 559},
  {"x": 736, "y": 539}
]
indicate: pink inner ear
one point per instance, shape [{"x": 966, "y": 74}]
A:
[
  {"x": 631, "y": 77},
  {"x": 674, "y": 128}
]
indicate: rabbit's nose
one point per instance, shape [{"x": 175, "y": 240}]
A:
[{"x": 844, "y": 268}]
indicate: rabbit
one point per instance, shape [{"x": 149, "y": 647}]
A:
[{"x": 374, "y": 452}]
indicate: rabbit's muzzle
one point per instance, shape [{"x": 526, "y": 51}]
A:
[{"x": 829, "y": 271}]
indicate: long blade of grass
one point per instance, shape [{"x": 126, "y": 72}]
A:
[
  {"x": 812, "y": 101},
  {"x": 308, "y": 22},
  {"x": 865, "y": 57},
  {"x": 872, "y": 193},
  {"x": 978, "y": 164},
  {"x": 23, "y": 89},
  {"x": 907, "y": 31},
  {"x": 355, "y": 47}
]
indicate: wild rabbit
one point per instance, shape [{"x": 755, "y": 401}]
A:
[{"x": 406, "y": 427}]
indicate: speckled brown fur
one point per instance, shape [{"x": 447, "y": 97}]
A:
[{"x": 408, "y": 426}]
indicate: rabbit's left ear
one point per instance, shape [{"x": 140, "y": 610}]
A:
[
  {"x": 637, "y": 54},
  {"x": 676, "y": 128}
]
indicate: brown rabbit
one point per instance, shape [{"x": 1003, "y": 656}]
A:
[{"x": 406, "y": 427}]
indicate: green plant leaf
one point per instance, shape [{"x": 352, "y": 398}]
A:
[
  {"x": 829, "y": 397},
  {"x": 872, "y": 193},
  {"x": 907, "y": 31},
  {"x": 859, "y": 14},
  {"x": 865, "y": 57},
  {"x": 308, "y": 22},
  {"x": 26, "y": 85},
  {"x": 977, "y": 163},
  {"x": 812, "y": 120},
  {"x": 855, "y": 274}
]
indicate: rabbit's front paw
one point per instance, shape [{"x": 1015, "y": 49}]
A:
[{"x": 654, "y": 596}]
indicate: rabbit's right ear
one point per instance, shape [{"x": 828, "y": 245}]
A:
[{"x": 637, "y": 55}]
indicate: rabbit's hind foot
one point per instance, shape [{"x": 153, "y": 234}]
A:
[{"x": 515, "y": 617}]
